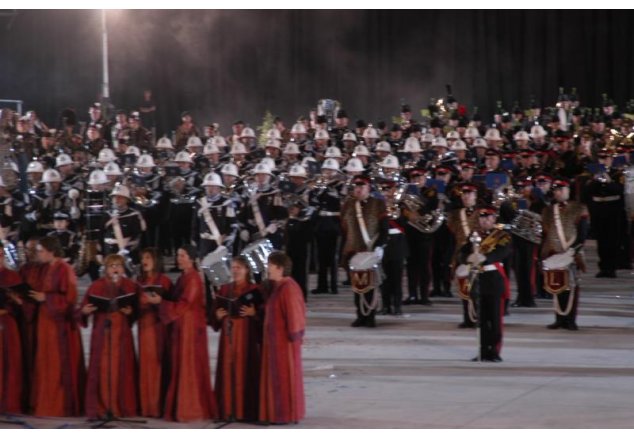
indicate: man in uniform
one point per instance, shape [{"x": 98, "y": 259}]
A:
[
  {"x": 364, "y": 228},
  {"x": 491, "y": 282},
  {"x": 565, "y": 226},
  {"x": 214, "y": 221},
  {"x": 123, "y": 226}
]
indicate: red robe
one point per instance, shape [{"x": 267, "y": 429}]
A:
[
  {"x": 152, "y": 358},
  {"x": 240, "y": 379},
  {"x": 189, "y": 395},
  {"x": 282, "y": 379},
  {"x": 58, "y": 369},
  {"x": 112, "y": 380},
  {"x": 11, "y": 377}
]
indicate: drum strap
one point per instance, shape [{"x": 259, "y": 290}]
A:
[
  {"x": 362, "y": 226},
  {"x": 257, "y": 215},
  {"x": 209, "y": 220},
  {"x": 118, "y": 234},
  {"x": 560, "y": 229},
  {"x": 464, "y": 222}
]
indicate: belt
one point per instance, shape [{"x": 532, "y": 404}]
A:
[
  {"x": 110, "y": 241},
  {"x": 489, "y": 267},
  {"x": 394, "y": 232},
  {"x": 326, "y": 213},
  {"x": 606, "y": 199}
]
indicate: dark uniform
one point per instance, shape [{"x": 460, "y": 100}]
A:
[
  {"x": 222, "y": 214},
  {"x": 298, "y": 235},
  {"x": 132, "y": 226}
]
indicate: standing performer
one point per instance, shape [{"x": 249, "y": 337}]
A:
[
  {"x": 282, "y": 379},
  {"x": 189, "y": 395},
  {"x": 58, "y": 370},
  {"x": 365, "y": 227},
  {"x": 486, "y": 262},
  {"x": 11, "y": 370},
  {"x": 112, "y": 381},
  {"x": 565, "y": 226},
  {"x": 239, "y": 352},
  {"x": 152, "y": 336}
]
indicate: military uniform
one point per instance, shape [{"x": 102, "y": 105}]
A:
[
  {"x": 263, "y": 215},
  {"x": 131, "y": 224},
  {"x": 217, "y": 227}
]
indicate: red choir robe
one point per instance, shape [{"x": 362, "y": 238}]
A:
[
  {"x": 31, "y": 273},
  {"x": 239, "y": 354},
  {"x": 189, "y": 394},
  {"x": 152, "y": 353},
  {"x": 58, "y": 366},
  {"x": 282, "y": 379},
  {"x": 112, "y": 380},
  {"x": 11, "y": 372}
]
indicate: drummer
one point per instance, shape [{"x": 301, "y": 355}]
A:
[{"x": 366, "y": 232}]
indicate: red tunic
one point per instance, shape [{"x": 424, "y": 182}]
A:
[
  {"x": 238, "y": 369},
  {"x": 189, "y": 395},
  {"x": 11, "y": 377},
  {"x": 152, "y": 358},
  {"x": 282, "y": 380},
  {"x": 58, "y": 369},
  {"x": 112, "y": 380}
]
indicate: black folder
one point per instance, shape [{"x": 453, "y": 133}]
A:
[
  {"x": 106, "y": 304},
  {"x": 154, "y": 289},
  {"x": 233, "y": 305}
]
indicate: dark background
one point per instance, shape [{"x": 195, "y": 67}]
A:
[{"x": 224, "y": 65}]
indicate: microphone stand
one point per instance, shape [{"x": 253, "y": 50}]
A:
[{"x": 109, "y": 417}]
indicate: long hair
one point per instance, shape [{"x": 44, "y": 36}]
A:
[
  {"x": 156, "y": 257},
  {"x": 242, "y": 260},
  {"x": 191, "y": 252},
  {"x": 52, "y": 244}
]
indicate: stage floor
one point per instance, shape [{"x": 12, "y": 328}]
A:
[{"x": 414, "y": 371}]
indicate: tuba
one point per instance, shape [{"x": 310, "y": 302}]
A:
[{"x": 423, "y": 222}]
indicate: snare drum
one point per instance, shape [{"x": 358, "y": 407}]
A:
[
  {"x": 216, "y": 267},
  {"x": 257, "y": 253},
  {"x": 365, "y": 272}
]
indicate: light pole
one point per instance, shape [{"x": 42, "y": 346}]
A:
[{"x": 104, "y": 56}]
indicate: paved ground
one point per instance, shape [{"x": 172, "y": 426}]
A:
[{"x": 414, "y": 371}]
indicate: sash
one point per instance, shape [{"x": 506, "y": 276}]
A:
[
  {"x": 465, "y": 223},
  {"x": 118, "y": 234},
  {"x": 209, "y": 220},
  {"x": 257, "y": 215},
  {"x": 560, "y": 229},
  {"x": 362, "y": 226}
]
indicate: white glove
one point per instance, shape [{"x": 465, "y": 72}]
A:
[
  {"x": 123, "y": 252},
  {"x": 271, "y": 228},
  {"x": 244, "y": 235},
  {"x": 378, "y": 251},
  {"x": 476, "y": 258}
]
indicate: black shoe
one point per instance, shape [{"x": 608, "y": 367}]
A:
[
  {"x": 435, "y": 293},
  {"x": 334, "y": 292},
  {"x": 398, "y": 312},
  {"x": 496, "y": 359},
  {"x": 607, "y": 274},
  {"x": 346, "y": 283},
  {"x": 464, "y": 325},
  {"x": 426, "y": 302},
  {"x": 572, "y": 327},
  {"x": 385, "y": 311},
  {"x": 356, "y": 323},
  {"x": 531, "y": 304},
  {"x": 371, "y": 323},
  {"x": 555, "y": 325},
  {"x": 318, "y": 291},
  {"x": 446, "y": 294},
  {"x": 410, "y": 301}
]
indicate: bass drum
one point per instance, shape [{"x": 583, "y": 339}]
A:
[
  {"x": 257, "y": 253},
  {"x": 216, "y": 267},
  {"x": 365, "y": 272}
]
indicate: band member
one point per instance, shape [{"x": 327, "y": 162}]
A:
[
  {"x": 461, "y": 223},
  {"x": 123, "y": 226},
  {"x": 152, "y": 335},
  {"x": 11, "y": 355},
  {"x": 58, "y": 371},
  {"x": 111, "y": 387},
  {"x": 365, "y": 227},
  {"x": 565, "y": 226},
  {"x": 189, "y": 394},
  {"x": 67, "y": 238},
  {"x": 214, "y": 223},
  {"x": 281, "y": 399},
  {"x": 239, "y": 321},
  {"x": 486, "y": 259}
]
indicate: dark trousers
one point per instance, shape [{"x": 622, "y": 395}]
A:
[
  {"x": 327, "y": 258},
  {"x": 442, "y": 252},
  {"x": 297, "y": 250},
  {"x": 391, "y": 288},
  {"x": 563, "y": 299},
  {"x": 525, "y": 258},
  {"x": 606, "y": 231},
  {"x": 369, "y": 297},
  {"x": 180, "y": 225},
  {"x": 419, "y": 266},
  {"x": 491, "y": 290}
]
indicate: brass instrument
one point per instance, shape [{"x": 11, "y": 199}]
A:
[{"x": 423, "y": 222}]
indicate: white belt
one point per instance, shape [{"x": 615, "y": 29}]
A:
[
  {"x": 326, "y": 213},
  {"x": 110, "y": 241},
  {"x": 394, "y": 232},
  {"x": 489, "y": 267},
  {"x": 606, "y": 199}
]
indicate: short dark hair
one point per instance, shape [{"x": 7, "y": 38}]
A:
[
  {"x": 52, "y": 244},
  {"x": 281, "y": 259},
  {"x": 191, "y": 252}
]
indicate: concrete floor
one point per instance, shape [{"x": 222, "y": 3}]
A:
[{"x": 414, "y": 371}]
